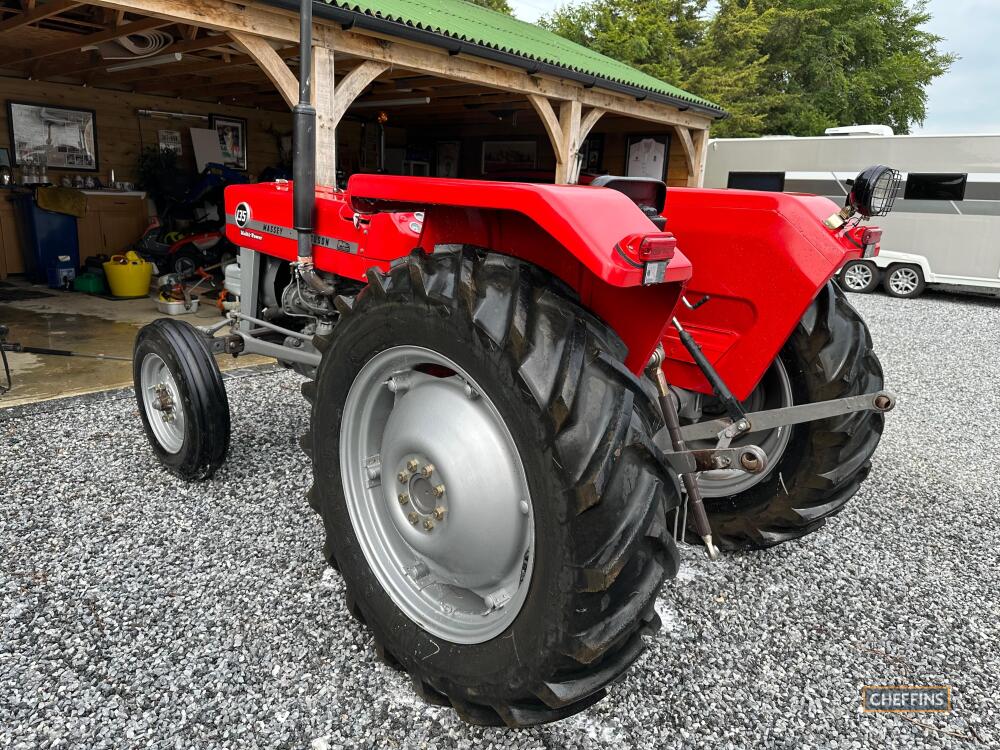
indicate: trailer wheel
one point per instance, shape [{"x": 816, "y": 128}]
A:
[
  {"x": 904, "y": 280},
  {"x": 861, "y": 276},
  {"x": 818, "y": 466},
  {"x": 181, "y": 398},
  {"x": 482, "y": 467}
]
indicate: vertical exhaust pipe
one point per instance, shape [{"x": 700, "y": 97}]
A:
[
  {"x": 304, "y": 156},
  {"x": 304, "y": 139}
]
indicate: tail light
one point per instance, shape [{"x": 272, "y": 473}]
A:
[
  {"x": 650, "y": 252},
  {"x": 646, "y": 248},
  {"x": 870, "y": 239}
]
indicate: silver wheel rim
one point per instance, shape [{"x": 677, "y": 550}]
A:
[
  {"x": 858, "y": 276},
  {"x": 437, "y": 494},
  {"x": 162, "y": 402},
  {"x": 773, "y": 392},
  {"x": 904, "y": 281}
]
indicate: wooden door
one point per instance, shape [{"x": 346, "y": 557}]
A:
[
  {"x": 122, "y": 224},
  {"x": 11, "y": 257},
  {"x": 88, "y": 230}
]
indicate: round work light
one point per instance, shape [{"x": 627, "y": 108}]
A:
[{"x": 874, "y": 191}]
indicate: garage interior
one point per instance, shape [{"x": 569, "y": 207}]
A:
[{"x": 145, "y": 77}]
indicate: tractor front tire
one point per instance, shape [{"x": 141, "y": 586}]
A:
[
  {"x": 828, "y": 356},
  {"x": 181, "y": 398},
  {"x": 474, "y": 347}
]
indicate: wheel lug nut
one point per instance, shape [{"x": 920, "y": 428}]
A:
[
  {"x": 403, "y": 498},
  {"x": 413, "y": 518},
  {"x": 412, "y": 465},
  {"x": 438, "y": 490},
  {"x": 403, "y": 477},
  {"x": 427, "y": 470},
  {"x": 428, "y": 524},
  {"x": 439, "y": 512}
]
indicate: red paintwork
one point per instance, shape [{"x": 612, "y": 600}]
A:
[
  {"x": 762, "y": 257},
  {"x": 193, "y": 239},
  {"x": 271, "y": 203},
  {"x": 570, "y": 231}
]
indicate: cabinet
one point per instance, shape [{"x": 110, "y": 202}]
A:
[
  {"x": 113, "y": 224},
  {"x": 11, "y": 259}
]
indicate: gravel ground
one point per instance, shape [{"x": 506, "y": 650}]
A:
[{"x": 137, "y": 611}]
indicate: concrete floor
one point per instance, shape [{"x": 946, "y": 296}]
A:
[{"x": 86, "y": 324}]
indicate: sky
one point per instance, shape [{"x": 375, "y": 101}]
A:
[{"x": 966, "y": 99}]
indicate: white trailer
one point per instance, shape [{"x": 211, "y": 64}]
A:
[{"x": 945, "y": 227}]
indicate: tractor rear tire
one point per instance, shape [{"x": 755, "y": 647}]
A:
[
  {"x": 580, "y": 425},
  {"x": 170, "y": 357},
  {"x": 828, "y": 356}
]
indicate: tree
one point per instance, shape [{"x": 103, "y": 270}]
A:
[
  {"x": 841, "y": 62},
  {"x": 651, "y": 35},
  {"x": 501, "y": 6},
  {"x": 790, "y": 67}
]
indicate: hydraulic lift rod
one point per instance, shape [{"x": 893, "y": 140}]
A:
[{"x": 699, "y": 518}]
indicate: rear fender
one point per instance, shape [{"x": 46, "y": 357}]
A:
[
  {"x": 570, "y": 231},
  {"x": 762, "y": 259}
]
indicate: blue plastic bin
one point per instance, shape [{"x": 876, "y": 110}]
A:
[{"x": 47, "y": 235}]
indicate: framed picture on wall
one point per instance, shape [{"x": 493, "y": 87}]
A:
[
  {"x": 508, "y": 156},
  {"x": 647, "y": 156},
  {"x": 170, "y": 140},
  {"x": 58, "y": 137},
  {"x": 232, "y": 133}
]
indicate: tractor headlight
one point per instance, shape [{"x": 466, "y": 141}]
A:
[{"x": 874, "y": 191}]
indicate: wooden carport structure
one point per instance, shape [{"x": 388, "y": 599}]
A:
[{"x": 245, "y": 54}]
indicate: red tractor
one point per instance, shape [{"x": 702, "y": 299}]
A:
[{"x": 509, "y": 384}]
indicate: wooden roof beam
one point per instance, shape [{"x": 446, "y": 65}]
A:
[
  {"x": 209, "y": 42},
  {"x": 93, "y": 68},
  {"x": 76, "y": 42},
  {"x": 172, "y": 75},
  {"x": 37, "y": 13},
  {"x": 227, "y": 15},
  {"x": 271, "y": 63}
]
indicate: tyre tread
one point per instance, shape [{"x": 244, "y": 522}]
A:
[{"x": 561, "y": 356}]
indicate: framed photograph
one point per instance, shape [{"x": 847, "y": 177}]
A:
[
  {"x": 170, "y": 140},
  {"x": 58, "y": 137},
  {"x": 232, "y": 139},
  {"x": 507, "y": 156},
  {"x": 448, "y": 153},
  {"x": 647, "y": 156},
  {"x": 4, "y": 158}
]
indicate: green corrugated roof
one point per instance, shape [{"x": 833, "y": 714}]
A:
[{"x": 481, "y": 26}]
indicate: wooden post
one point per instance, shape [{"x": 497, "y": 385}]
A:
[
  {"x": 587, "y": 124},
  {"x": 701, "y": 156},
  {"x": 566, "y": 132},
  {"x": 569, "y": 145},
  {"x": 324, "y": 100},
  {"x": 695, "y": 146}
]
